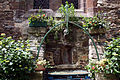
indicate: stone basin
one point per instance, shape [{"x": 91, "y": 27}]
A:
[
  {"x": 71, "y": 72},
  {"x": 67, "y": 75}
]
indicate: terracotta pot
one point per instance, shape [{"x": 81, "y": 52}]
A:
[{"x": 40, "y": 68}]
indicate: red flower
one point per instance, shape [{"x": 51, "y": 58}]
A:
[
  {"x": 93, "y": 67},
  {"x": 43, "y": 15},
  {"x": 93, "y": 23},
  {"x": 90, "y": 22}
]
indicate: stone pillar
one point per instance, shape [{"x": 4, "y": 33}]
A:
[{"x": 90, "y": 7}]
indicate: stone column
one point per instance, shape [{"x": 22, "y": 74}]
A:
[{"x": 90, "y": 7}]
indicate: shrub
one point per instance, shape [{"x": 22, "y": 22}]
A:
[
  {"x": 112, "y": 52},
  {"x": 16, "y": 61}
]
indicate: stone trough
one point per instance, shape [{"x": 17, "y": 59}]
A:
[{"x": 64, "y": 74}]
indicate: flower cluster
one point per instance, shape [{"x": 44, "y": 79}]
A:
[
  {"x": 99, "y": 66},
  {"x": 44, "y": 63},
  {"x": 96, "y": 22},
  {"x": 38, "y": 17}
]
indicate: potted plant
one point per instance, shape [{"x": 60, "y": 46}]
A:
[
  {"x": 98, "y": 70},
  {"x": 42, "y": 64},
  {"x": 109, "y": 67},
  {"x": 38, "y": 20},
  {"x": 95, "y": 25}
]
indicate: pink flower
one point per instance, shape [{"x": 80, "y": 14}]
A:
[{"x": 93, "y": 67}]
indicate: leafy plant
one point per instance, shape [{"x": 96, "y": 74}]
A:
[
  {"x": 16, "y": 61},
  {"x": 70, "y": 11},
  {"x": 95, "y": 22},
  {"x": 112, "y": 52},
  {"x": 52, "y": 22},
  {"x": 111, "y": 63},
  {"x": 41, "y": 17},
  {"x": 97, "y": 66}
]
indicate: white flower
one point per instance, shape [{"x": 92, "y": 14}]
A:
[{"x": 4, "y": 49}]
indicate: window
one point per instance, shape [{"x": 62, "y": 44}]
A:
[
  {"x": 80, "y": 5},
  {"x": 75, "y": 2},
  {"x": 42, "y": 4}
]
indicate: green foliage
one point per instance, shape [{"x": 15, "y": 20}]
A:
[
  {"x": 112, "y": 52},
  {"x": 97, "y": 66},
  {"x": 111, "y": 63},
  {"x": 41, "y": 17},
  {"x": 16, "y": 61},
  {"x": 63, "y": 9},
  {"x": 70, "y": 12},
  {"x": 52, "y": 22},
  {"x": 96, "y": 22}
]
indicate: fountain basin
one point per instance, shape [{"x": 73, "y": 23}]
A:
[{"x": 68, "y": 75}]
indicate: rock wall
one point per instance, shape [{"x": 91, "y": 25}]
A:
[
  {"x": 6, "y": 20},
  {"x": 34, "y": 34},
  {"x": 111, "y": 8}
]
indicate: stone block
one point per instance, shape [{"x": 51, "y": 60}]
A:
[
  {"x": 8, "y": 15},
  {"x": 8, "y": 22},
  {"x": 38, "y": 75}
]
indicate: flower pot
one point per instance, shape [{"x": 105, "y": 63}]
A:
[
  {"x": 40, "y": 68},
  {"x": 38, "y": 24},
  {"x": 96, "y": 31}
]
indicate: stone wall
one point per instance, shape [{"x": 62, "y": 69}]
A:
[
  {"x": 6, "y": 20},
  {"x": 34, "y": 34},
  {"x": 111, "y": 8},
  {"x": 70, "y": 51}
]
